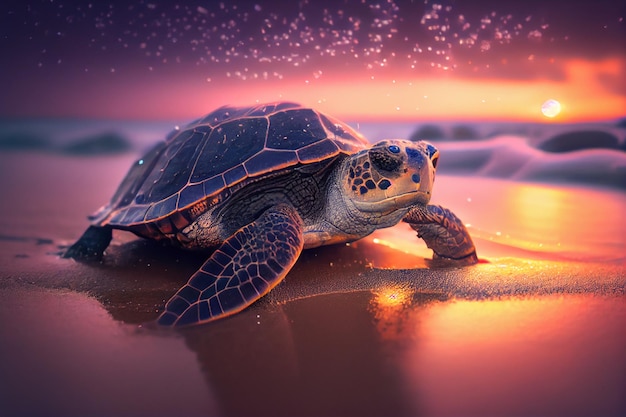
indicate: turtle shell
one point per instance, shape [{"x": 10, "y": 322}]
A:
[{"x": 195, "y": 167}]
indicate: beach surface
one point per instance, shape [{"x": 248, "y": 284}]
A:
[{"x": 373, "y": 328}]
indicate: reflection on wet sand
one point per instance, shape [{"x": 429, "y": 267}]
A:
[
  {"x": 396, "y": 352},
  {"x": 310, "y": 357},
  {"x": 556, "y": 353},
  {"x": 61, "y": 354},
  {"x": 370, "y": 328},
  {"x": 339, "y": 337},
  {"x": 538, "y": 220},
  {"x": 392, "y": 308}
]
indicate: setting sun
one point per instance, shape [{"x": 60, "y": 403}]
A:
[
  {"x": 551, "y": 108},
  {"x": 358, "y": 63}
]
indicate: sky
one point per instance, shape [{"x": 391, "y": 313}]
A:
[{"x": 354, "y": 59}]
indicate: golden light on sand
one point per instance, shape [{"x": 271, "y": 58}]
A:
[
  {"x": 477, "y": 322},
  {"x": 393, "y": 296},
  {"x": 390, "y": 307},
  {"x": 551, "y": 108}
]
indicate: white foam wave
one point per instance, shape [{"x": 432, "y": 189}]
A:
[{"x": 511, "y": 157}]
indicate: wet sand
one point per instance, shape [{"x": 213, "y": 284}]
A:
[{"x": 368, "y": 329}]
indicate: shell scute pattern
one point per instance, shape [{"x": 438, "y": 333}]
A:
[
  {"x": 171, "y": 149},
  {"x": 177, "y": 170},
  {"x": 235, "y": 175},
  {"x": 191, "y": 194},
  {"x": 222, "y": 114},
  {"x": 337, "y": 129},
  {"x": 317, "y": 151},
  {"x": 213, "y": 185},
  {"x": 216, "y": 152},
  {"x": 270, "y": 160},
  {"x": 229, "y": 145},
  {"x": 294, "y": 129},
  {"x": 160, "y": 209}
]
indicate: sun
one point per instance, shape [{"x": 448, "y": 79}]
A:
[{"x": 551, "y": 108}]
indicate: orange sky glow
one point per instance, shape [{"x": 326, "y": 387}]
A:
[
  {"x": 589, "y": 91},
  {"x": 399, "y": 60},
  {"x": 582, "y": 94}
]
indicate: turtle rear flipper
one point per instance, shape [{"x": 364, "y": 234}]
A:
[
  {"x": 245, "y": 267},
  {"x": 91, "y": 244},
  {"x": 443, "y": 232}
]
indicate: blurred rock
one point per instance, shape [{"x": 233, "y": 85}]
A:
[
  {"x": 23, "y": 141},
  {"x": 101, "y": 144},
  {"x": 513, "y": 129},
  {"x": 428, "y": 132},
  {"x": 462, "y": 132},
  {"x": 464, "y": 161},
  {"x": 576, "y": 141}
]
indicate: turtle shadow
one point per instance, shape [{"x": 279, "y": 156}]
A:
[
  {"x": 318, "y": 339},
  {"x": 134, "y": 279}
]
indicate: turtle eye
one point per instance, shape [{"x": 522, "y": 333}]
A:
[
  {"x": 435, "y": 160},
  {"x": 431, "y": 150},
  {"x": 394, "y": 149}
]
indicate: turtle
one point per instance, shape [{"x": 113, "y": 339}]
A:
[{"x": 259, "y": 184}]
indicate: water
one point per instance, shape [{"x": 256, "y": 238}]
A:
[{"x": 592, "y": 153}]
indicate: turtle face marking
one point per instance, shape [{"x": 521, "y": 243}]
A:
[
  {"x": 360, "y": 176},
  {"x": 391, "y": 174}
]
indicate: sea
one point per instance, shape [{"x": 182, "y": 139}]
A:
[{"x": 591, "y": 153}]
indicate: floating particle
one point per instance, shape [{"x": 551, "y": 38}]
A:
[
  {"x": 295, "y": 40},
  {"x": 534, "y": 35}
]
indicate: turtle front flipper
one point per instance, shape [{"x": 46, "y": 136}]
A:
[
  {"x": 443, "y": 232},
  {"x": 243, "y": 269},
  {"x": 91, "y": 244}
]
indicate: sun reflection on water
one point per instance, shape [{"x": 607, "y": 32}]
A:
[
  {"x": 491, "y": 352},
  {"x": 393, "y": 308},
  {"x": 573, "y": 222},
  {"x": 558, "y": 220},
  {"x": 392, "y": 298}
]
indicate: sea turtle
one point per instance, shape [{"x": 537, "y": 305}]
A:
[{"x": 260, "y": 184}]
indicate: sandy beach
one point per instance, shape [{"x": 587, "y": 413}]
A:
[
  {"x": 523, "y": 104},
  {"x": 371, "y": 328}
]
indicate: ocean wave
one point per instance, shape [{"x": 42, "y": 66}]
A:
[
  {"x": 592, "y": 153},
  {"x": 512, "y": 157}
]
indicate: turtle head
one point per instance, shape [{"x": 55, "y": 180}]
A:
[{"x": 391, "y": 175}]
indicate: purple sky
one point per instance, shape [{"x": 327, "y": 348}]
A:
[{"x": 56, "y": 53}]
